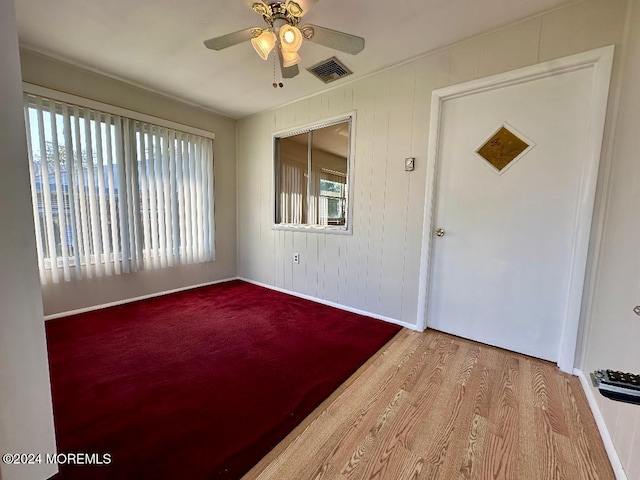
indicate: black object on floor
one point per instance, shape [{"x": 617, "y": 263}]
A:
[{"x": 619, "y": 386}]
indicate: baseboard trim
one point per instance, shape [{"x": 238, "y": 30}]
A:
[
  {"x": 260, "y": 284},
  {"x": 334, "y": 304},
  {"x": 602, "y": 426},
  {"x": 134, "y": 299}
]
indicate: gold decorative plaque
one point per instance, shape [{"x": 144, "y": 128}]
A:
[{"x": 502, "y": 148}]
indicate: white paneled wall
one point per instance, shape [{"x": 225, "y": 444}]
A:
[
  {"x": 376, "y": 269},
  {"x": 612, "y": 330}
]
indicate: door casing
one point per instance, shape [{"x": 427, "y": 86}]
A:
[{"x": 599, "y": 61}]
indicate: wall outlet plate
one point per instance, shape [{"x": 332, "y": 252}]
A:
[
  {"x": 409, "y": 164},
  {"x": 296, "y": 258}
]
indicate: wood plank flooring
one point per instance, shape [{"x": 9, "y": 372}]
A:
[{"x": 434, "y": 406}]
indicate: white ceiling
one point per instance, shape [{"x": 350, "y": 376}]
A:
[{"x": 158, "y": 43}]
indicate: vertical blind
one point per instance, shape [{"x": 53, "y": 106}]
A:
[
  {"x": 113, "y": 195},
  {"x": 293, "y": 192},
  {"x": 324, "y": 206}
]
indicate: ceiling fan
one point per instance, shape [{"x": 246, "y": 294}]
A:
[{"x": 283, "y": 34}]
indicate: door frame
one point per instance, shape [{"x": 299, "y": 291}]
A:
[{"x": 599, "y": 61}]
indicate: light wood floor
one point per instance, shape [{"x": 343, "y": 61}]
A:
[{"x": 431, "y": 405}]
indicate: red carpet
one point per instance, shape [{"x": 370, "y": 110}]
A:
[{"x": 199, "y": 384}]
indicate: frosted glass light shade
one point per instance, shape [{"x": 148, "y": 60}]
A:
[
  {"x": 289, "y": 59},
  {"x": 264, "y": 43},
  {"x": 290, "y": 38}
]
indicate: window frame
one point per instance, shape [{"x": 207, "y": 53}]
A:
[
  {"x": 83, "y": 102},
  {"x": 77, "y": 262},
  {"x": 304, "y": 128}
]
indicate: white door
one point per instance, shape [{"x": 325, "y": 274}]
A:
[{"x": 501, "y": 272}]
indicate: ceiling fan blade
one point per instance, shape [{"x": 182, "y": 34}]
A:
[
  {"x": 344, "y": 42},
  {"x": 230, "y": 39},
  {"x": 306, "y": 5},
  {"x": 287, "y": 72}
]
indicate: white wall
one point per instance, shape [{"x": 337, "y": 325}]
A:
[
  {"x": 376, "y": 269},
  {"x": 612, "y": 330},
  {"x": 66, "y": 296},
  {"x": 26, "y": 417}
]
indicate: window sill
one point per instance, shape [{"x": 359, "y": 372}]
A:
[{"x": 332, "y": 230}]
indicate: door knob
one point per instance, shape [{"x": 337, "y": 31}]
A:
[{"x": 440, "y": 232}]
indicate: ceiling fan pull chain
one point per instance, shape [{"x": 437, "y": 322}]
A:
[{"x": 275, "y": 84}]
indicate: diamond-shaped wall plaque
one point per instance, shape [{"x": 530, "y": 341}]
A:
[{"x": 502, "y": 148}]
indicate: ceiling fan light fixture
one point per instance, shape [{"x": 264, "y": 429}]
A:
[
  {"x": 294, "y": 9},
  {"x": 290, "y": 38},
  {"x": 289, "y": 59},
  {"x": 283, "y": 36},
  {"x": 260, "y": 8},
  {"x": 264, "y": 43}
]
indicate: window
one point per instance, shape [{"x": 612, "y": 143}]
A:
[
  {"x": 113, "y": 195},
  {"x": 311, "y": 168}
]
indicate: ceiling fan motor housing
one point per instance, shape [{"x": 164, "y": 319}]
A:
[{"x": 288, "y": 12}]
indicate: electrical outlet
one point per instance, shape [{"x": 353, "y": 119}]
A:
[
  {"x": 296, "y": 258},
  {"x": 409, "y": 164}
]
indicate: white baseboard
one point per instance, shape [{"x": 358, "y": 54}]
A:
[
  {"x": 602, "y": 426},
  {"x": 134, "y": 299},
  {"x": 333, "y": 304}
]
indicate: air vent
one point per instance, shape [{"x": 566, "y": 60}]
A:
[{"x": 330, "y": 70}]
